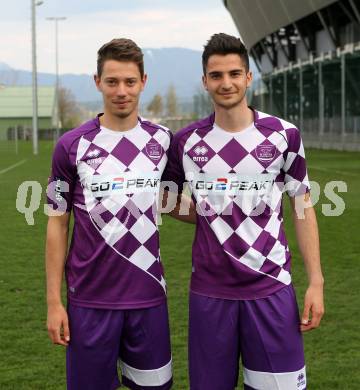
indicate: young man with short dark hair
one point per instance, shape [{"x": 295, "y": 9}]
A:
[
  {"x": 238, "y": 162},
  {"x": 107, "y": 172}
]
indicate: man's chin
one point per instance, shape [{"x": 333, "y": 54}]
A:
[
  {"x": 122, "y": 114},
  {"x": 228, "y": 105}
]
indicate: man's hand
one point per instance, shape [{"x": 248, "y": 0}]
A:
[
  {"x": 58, "y": 324},
  {"x": 313, "y": 308},
  {"x": 180, "y": 206}
]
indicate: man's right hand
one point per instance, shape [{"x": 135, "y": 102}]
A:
[{"x": 58, "y": 324}]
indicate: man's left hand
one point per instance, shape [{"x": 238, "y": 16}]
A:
[{"x": 313, "y": 308}]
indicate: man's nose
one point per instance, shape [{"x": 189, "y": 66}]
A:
[
  {"x": 226, "y": 83},
  {"x": 121, "y": 90}
]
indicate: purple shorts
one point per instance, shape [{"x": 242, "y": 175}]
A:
[
  {"x": 264, "y": 332},
  {"x": 136, "y": 340}
]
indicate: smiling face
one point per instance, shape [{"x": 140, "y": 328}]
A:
[
  {"x": 226, "y": 79},
  {"x": 121, "y": 85}
]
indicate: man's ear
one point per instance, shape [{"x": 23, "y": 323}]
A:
[
  {"x": 97, "y": 81},
  {"x": 143, "y": 81},
  {"x": 204, "y": 82},
  {"x": 249, "y": 78}
]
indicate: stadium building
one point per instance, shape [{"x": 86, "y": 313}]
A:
[{"x": 308, "y": 53}]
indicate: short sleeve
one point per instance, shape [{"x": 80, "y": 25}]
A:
[
  {"x": 296, "y": 176},
  {"x": 61, "y": 181},
  {"x": 174, "y": 176}
]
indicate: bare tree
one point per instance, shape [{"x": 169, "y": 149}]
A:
[
  {"x": 202, "y": 103},
  {"x": 171, "y": 102},
  {"x": 70, "y": 114},
  {"x": 156, "y": 105}
]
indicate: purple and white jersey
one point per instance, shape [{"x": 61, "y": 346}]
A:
[
  {"x": 110, "y": 180},
  {"x": 237, "y": 181}
]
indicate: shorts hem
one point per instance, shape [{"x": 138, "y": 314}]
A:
[{"x": 133, "y": 386}]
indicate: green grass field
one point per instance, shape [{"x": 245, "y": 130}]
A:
[{"x": 30, "y": 361}]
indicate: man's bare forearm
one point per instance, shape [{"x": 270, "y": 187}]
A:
[
  {"x": 180, "y": 207},
  {"x": 308, "y": 240},
  {"x": 307, "y": 235},
  {"x": 184, "y": 210},
  {"x": 56, "y": 249}
]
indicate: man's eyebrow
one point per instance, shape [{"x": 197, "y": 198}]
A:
[
  {"x": 236, "y": 70},
  {"x": 110, "y": 78},
  {"x": 217, "y": 72}
]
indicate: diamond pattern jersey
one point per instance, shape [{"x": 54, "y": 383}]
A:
[
  {"x": 237, "y": 181},
  {"x": 110, "y": 180}
]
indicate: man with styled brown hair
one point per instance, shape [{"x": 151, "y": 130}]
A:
[
  {"x": 107, "y": 172},
  {"x": 238, "y": 163}
]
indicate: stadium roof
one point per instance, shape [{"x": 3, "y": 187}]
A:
[
  {"x": 256, "y": 19},
  {"x": 16, "y": 102}
]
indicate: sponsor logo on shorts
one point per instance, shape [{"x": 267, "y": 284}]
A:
[
  {"x": 265, "y": 152},
  {"x": 301, "y": 380}
]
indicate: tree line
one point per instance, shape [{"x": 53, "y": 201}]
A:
[{"x": 170, "y": 105}]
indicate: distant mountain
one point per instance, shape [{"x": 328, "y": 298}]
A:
[
  {"x": 4, "y": 66},
  {"x": 176, "y": 66}
]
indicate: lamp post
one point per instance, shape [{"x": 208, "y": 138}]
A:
[
  {"x": 56, "y": 19},
  {"x": 34, "y": 3}
]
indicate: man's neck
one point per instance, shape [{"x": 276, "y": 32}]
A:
[
  {"x": 119, "y": 124},
  {"x": 235, "y": 119}
]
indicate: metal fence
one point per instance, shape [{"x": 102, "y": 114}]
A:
[{"x": 321, "y": 96}]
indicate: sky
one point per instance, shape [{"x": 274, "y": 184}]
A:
[{"x": 90, "y": 23}]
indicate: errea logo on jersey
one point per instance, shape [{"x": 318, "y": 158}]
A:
[
  {"x": 94, "y": 153},
  {"x": 92, "y": 158},
  {"x": 200, "y": 152}
]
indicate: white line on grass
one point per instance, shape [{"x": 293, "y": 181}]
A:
[
  {"x": 333, "y": 171},
  {"x": 12, "y": 167}
]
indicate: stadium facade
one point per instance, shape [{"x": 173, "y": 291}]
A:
[{"x": 308, "y": 53}]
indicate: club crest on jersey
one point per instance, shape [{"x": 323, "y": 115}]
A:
[
  {"x": 265, "y": 152},
  {"x": 153, "y": 150}
]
